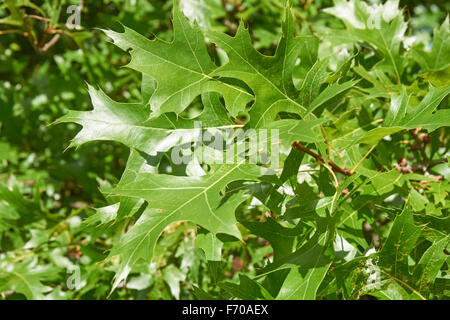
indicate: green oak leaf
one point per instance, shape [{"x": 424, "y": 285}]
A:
[
  {"x": 435, "y": 60},
  {"x": 270, "y": 77},
  {"x": 399, "y": 244},
  {"x": 426, "y": 270},
  {"x": 247, "y": 289},
  {"x": 172, "y": 199},
  {"x": 182, "y": 68},
  {"x": 380, "y": 25},
  {"x": 303, "y": 283},
  {"x": 400, "y": 117},
  {"x": 130, "y": 123},
  {"x": 25, "y": 277}
]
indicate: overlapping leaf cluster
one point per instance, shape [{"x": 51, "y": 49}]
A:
[
  {"x": 363, "y": 145},
  {"x": 45, "y": 193}
]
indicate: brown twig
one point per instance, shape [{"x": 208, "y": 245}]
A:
[
  {"x": 298, "y": 146},
  {"x": 49, "y": 44},
  {"x": 13, "y": 31},
  {"x": 33, "y": 16}
]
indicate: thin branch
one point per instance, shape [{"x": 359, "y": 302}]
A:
[
  {"x": 55, "y": 31},
  {"x": 50, "y": 44},
  {"x": 335, "y": 151},
  {"x": 13, "y": 31},
  {"x": 32, "y": 16},
  {"x": 360, "y": 161},
  {"x": 326, "y": 140},
  {"x": 336, "y": 181},
  {"x": 298, "y": 146}
]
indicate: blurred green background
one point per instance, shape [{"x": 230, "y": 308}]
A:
[{"x": 46, "y": 192}]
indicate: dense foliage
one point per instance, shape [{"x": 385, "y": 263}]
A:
[{"x": 350, "y": 98}]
